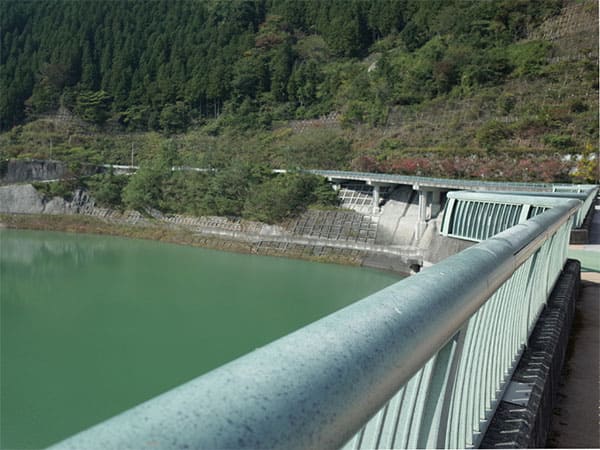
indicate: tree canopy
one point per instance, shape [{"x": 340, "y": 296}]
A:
[{"x": 162, "y": 64}]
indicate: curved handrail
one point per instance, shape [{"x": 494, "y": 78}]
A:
[{"x": 478, "y": 215}]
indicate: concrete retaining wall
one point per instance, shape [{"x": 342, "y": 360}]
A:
[{"x": 22, "y": 171}]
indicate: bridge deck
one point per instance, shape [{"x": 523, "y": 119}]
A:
[{"x": 429, "y": 182}]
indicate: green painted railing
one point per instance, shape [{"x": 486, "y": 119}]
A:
[
  {"x": 591, "y": 192},
  {"x": 422, "y": 363},
  {"x": 450, "y": 401},
  {"x": 587, "y": 193},
  {"x": 477, "y": 215}
]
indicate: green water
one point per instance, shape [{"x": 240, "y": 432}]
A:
[{"x": 94, "y": 325}]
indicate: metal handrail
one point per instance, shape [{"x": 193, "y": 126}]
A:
[
  {"x": 316, "y": 387},
  {"x": 584, "y": 192},
  {"x": 466, "y": 212}
]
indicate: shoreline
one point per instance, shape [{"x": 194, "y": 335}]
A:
[{"x": 83, "y": 224}]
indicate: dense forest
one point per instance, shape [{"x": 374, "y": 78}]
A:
[
  {"x": 504, "y": 89},
  {"x": 163, "y": 64}
]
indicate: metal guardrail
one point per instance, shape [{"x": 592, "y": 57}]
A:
[
  {"x": 477, "y": 216},
  {"x": 584, "y": 192},
  {"x": 422, "y": 363},
  {"x": 578, "y": 188},
  {"x": 589, "y": 189},
  {"x": 587, "y": 196}
]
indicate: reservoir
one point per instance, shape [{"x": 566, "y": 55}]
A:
[{"x": 93, "y": 325}]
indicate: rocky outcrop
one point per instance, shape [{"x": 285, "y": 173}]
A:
[
  {"x": 22, "y": 199},
  {"x": 25, "y": 199}
]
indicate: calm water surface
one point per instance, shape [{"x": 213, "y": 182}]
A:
[{"x": 91, "y": 325}]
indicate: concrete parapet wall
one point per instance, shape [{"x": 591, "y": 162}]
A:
[
  {"x": 524, "y": 422},
  {"x": 436, "y": 247}
]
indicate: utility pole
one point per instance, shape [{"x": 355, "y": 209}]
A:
[{"x": 132, "y": 154}]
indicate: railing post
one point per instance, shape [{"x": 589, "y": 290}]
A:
[
  {"x": 421, "y": 220},
  {"x": 433, "y": 429},
  {"x": 436, "y": 204},
  {"x": 375, "y": 198}
]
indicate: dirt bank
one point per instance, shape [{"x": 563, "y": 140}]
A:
[{"x": 155, "y": 230}]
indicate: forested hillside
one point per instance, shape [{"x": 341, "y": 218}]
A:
[
  {"x": 158, "y": 64},
  {"x": 399, "y": 80}
]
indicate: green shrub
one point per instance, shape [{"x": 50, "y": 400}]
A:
[
  {"x": 578, "y": 106},
  {"x": 62, "y": 188},
  {"x": 287, "y": 195},
  {"x": 317, "y": 149},
  {"x": 490, "y": 134},
  {"x": 506, "y": 103},
  {"x": 174, "y": 118},
  {"x": 144, "y": 189},
  {"x": 107, "y": 189},
  {"x": 228, "y": 188},
  {"x": 529, "y": 58},
  {"x": 559, "y": 142}
]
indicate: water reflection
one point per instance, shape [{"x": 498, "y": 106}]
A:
[
  {"x": 33, "y": 247},
  {"x": 92, "y": 325}
]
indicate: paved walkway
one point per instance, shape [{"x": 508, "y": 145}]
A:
[{"x": 575, "y": 422}]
